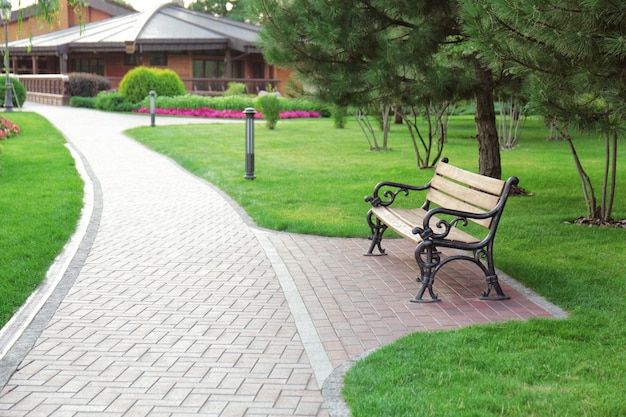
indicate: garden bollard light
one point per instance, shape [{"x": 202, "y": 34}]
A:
[
  {"x": 152, "y": 108},
  {"x": 249, "y": 112}
]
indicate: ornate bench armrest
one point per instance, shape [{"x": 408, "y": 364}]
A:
[
  {"x": 427, "y": 231},
  {"x": 385, "y": 192}
]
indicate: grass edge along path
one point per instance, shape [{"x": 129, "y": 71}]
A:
[
  {"x": 41, "y": 195},
  {"x": 574, "y": 367}
]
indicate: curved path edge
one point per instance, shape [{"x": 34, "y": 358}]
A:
[{"x": 19, "y": 335}]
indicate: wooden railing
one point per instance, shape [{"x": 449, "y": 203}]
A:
[
  {"x": 47, "y": 89},
  {"x": 217, "y": 86}
]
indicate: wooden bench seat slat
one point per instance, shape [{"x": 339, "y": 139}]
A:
[
  {"x": 472, "y": 196},
  {"x": 403, "y": 221},
  {"x": 480, "y": 182},
  {"x": 444, "y": 200}
]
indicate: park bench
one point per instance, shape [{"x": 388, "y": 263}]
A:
[{"x": 453, "y": 198}]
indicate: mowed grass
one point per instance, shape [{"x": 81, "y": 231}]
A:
[
  {"x": 312, "y": 178},
  {"x": 40, "y": 203}
]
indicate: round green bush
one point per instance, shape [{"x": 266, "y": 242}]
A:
[
  {"x": 138, "y": 82},
  {"x": 169, "y": 83},
  {"x": 18, "y": 94}
]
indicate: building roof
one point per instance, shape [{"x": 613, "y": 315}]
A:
[{"x": 166, "y": 27}]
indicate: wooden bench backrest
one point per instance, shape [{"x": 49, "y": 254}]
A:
[{"x": 457, "y": 189}]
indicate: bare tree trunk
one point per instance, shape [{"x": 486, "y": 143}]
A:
[
  {"x": 486, "y": 129},
  {"x": 366, "y": 126},
  {"x": 585, "y": 181},
  {"x": 603, "y": 211},
  {"x": 397, "y": 116},
  {"x": 610, "y": 174},
  {"x": 386, "y": 113}
]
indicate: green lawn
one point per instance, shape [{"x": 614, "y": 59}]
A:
[
  {"x": 312, "y": 178},
  {"x": 41, "y": 198}
]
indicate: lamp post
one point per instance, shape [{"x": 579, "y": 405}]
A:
[{"x": 5, "y": 10}]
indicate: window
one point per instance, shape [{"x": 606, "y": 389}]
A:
[
  {"x": 209, "y": 68},
  {"x": 236, "y": 69},
  {"x": 130, "y": 60},
  {"x": 258, "y": 70},
  {"x": 158, "y": 59},
  {"x": 88, "y": 65}
]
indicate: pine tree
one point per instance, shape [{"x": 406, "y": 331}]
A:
[{"x": 575, "y": 54}]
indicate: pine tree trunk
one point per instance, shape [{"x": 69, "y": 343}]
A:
[{"x": 486, "y": 128}]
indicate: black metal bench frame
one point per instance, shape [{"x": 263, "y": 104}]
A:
[{"x": 468, "y": 197}]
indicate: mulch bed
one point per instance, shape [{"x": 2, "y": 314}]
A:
[{"x": 584, "y": 221}]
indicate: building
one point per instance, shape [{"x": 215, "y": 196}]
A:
[{"x": 207, "y": 52}]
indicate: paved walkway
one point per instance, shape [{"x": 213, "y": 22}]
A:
[{"x": 170, "y": 302}]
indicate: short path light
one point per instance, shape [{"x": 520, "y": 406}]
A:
[
  {"x": 249, "y": 112},
  {"x": 152, "y": 107}
]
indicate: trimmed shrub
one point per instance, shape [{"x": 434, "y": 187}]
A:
[
  {"x": 84, "y": 102},
  {"x": 138, "y": 82},
  {"x": 306, "y": 104},
  {"x": 87, "y": 85},
  {"x": 114, "y": 101},
  {"x": 240, "y": 102},
  {"x": 191, "y": 101},
  {"x": 233, "y": 102},
  {"x": 18, "y": 94},
  {"x": 235, "y": 89},
  {"x": 269, "y": 106},
  {"x": 169, "y": 83}
]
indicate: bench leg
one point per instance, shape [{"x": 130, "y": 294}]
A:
[
  {"x": 493, "y": 284},
  {"x": 378, "y": 229},
  {"x": 490, "y": 274},
  {"x": 428, "y": 268}
]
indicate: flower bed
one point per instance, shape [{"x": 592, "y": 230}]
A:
[
  {"x": 226, "y": 114},
  {"x": 8, "y": 129}
]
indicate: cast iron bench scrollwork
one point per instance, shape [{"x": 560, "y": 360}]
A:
[{"x": 454, "y": 198}]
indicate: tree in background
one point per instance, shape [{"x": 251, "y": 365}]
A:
[
  {"x": 233, "y": 9},
  {"x": 574, "y": 53},
  {"x": 48, "y": 10},
  {"x": 123, "y": 3}
]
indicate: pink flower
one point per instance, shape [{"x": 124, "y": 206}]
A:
[
  {"x": 8, "y": 129},
  {"x": 225, "y": 114}
]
